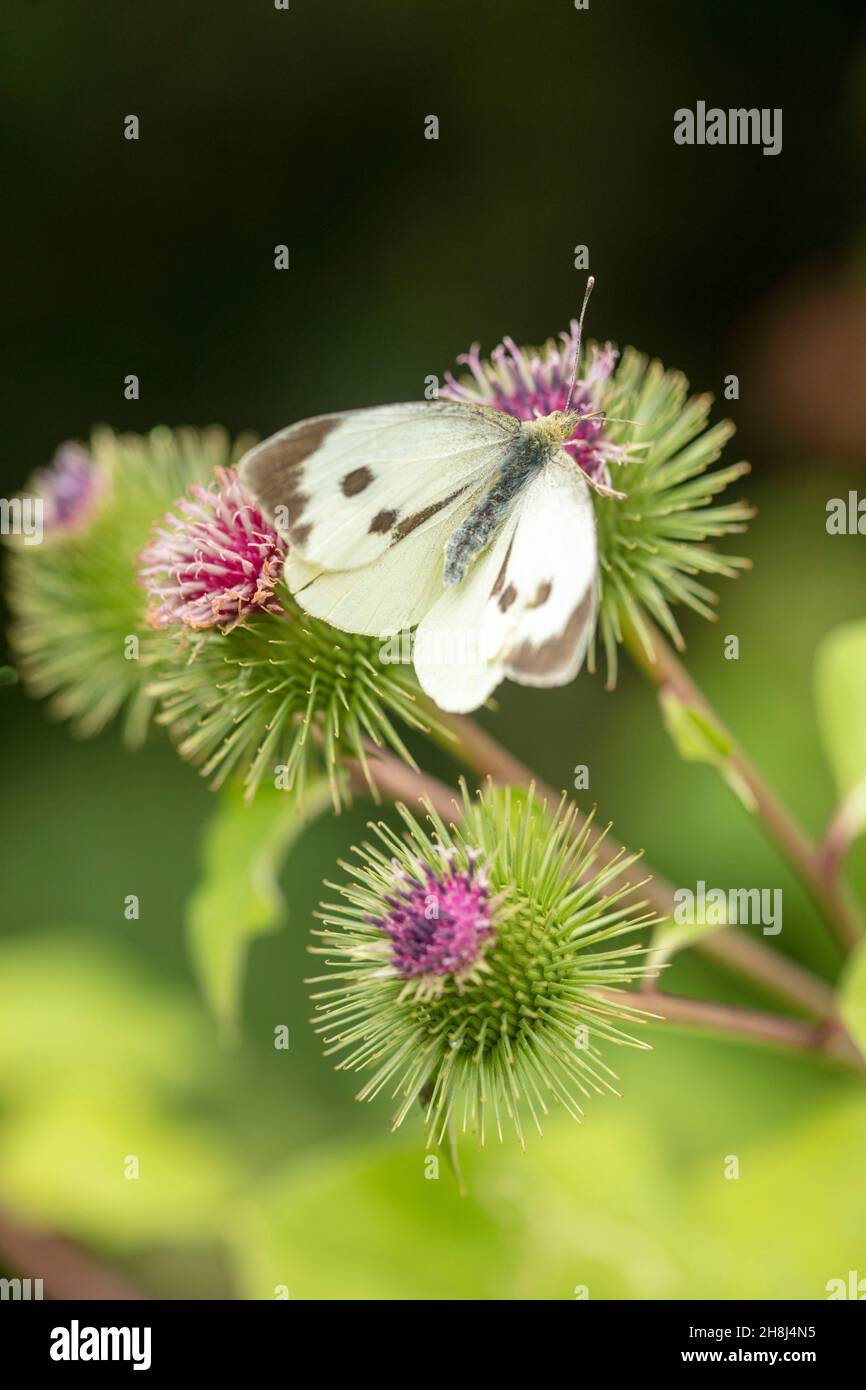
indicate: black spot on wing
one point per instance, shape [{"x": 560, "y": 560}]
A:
[
  {"x": 356, "y": 481},
  {"x": 542, "y": 594},
  {"x": 382, "y": 521},
  {"x": 500, "y": 578},
  {"x": 273, "y": 471},
  {"x": 411, "y": 523},
  {"x": 557, "y": 652}
]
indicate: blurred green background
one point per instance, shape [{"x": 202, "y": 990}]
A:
[{"x": 258, "y": 1170}]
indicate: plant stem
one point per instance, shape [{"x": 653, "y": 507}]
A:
[
  {"x": 778, "y": 974},
  {"x": 67, "y": 1271},
  {"x": 828, "y": 1039},
  {"x": 843, "y": 829},
  {"x": 837, "y": 906}
]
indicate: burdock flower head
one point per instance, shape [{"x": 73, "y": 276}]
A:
[
  {"x": 70, "y": 488},
  {"x": 529, "y": 384},
  {"x": 213, "y": 560},
  {"x": 246, "y": 682},
  {"x": 78, "y": 623},
  {"x": 438, "y": 922},
  {"x": 477, "y": 969},
  {"x": 644, "y": 445}
]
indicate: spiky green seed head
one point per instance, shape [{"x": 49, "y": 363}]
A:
[
  {"x": 644, "y": 446},
  {"x": 653, "y": 551},
  {"x": 78, "y": 631},
  {"x": 281, "y": 697},
  {"x": 523, "y": 1023}
]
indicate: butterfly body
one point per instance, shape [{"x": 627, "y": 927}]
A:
[{"x": 536, "y": 445}]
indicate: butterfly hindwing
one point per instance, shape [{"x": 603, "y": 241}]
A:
[
  {"x": 541, "y": 613},
  {"x": 448, "y": 658},
  {"x": 526, "y": 609}
]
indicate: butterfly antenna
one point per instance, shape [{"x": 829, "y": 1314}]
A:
[{"x": 589, "y": 284}]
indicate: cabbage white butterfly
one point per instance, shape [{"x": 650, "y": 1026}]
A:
[{"x": 473, "y": 524}]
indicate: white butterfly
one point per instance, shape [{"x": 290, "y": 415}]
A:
[{"x": 473, "y": 524}]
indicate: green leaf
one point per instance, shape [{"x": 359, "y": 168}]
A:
[
  {"x": 791, "y": 1225},
  {"x": 640, "y": 1202},
  {"x": 852, "y": 996},
  {"x": 699, "y": 739},
  {"x": 526, "y": 1230},
  {"x": 74, "y": 1006},
  {"x": 238, "y": 897},
  {"x": 840, "y": 683}
]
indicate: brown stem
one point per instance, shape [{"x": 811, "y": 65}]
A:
[
  {"x": 837, "y": 906},
  {"x": 400, "y": 782},
  {"x": 827, "y": 1039},
  {"x": 842, "y": 831},
  {"x": 66, "y": 1271},
  {"x": 778, "y": 974}
]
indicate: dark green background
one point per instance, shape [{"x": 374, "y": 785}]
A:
[{"x": 261, "y": 127}]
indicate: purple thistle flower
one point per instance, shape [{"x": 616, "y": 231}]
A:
[
  {"x": 476, "y": 991},
  {"x": 69, "y": 488},
  {"x": 439, "y": 922},
  {"x": 214, "y": 560},
  {"x": 530, "y": 383}
]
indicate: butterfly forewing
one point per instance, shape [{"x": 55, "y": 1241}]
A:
[
  {"x": 346, "y": 487},
  {"x": 373, "y": 500},
  {"x": 393, "y": 593}
]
